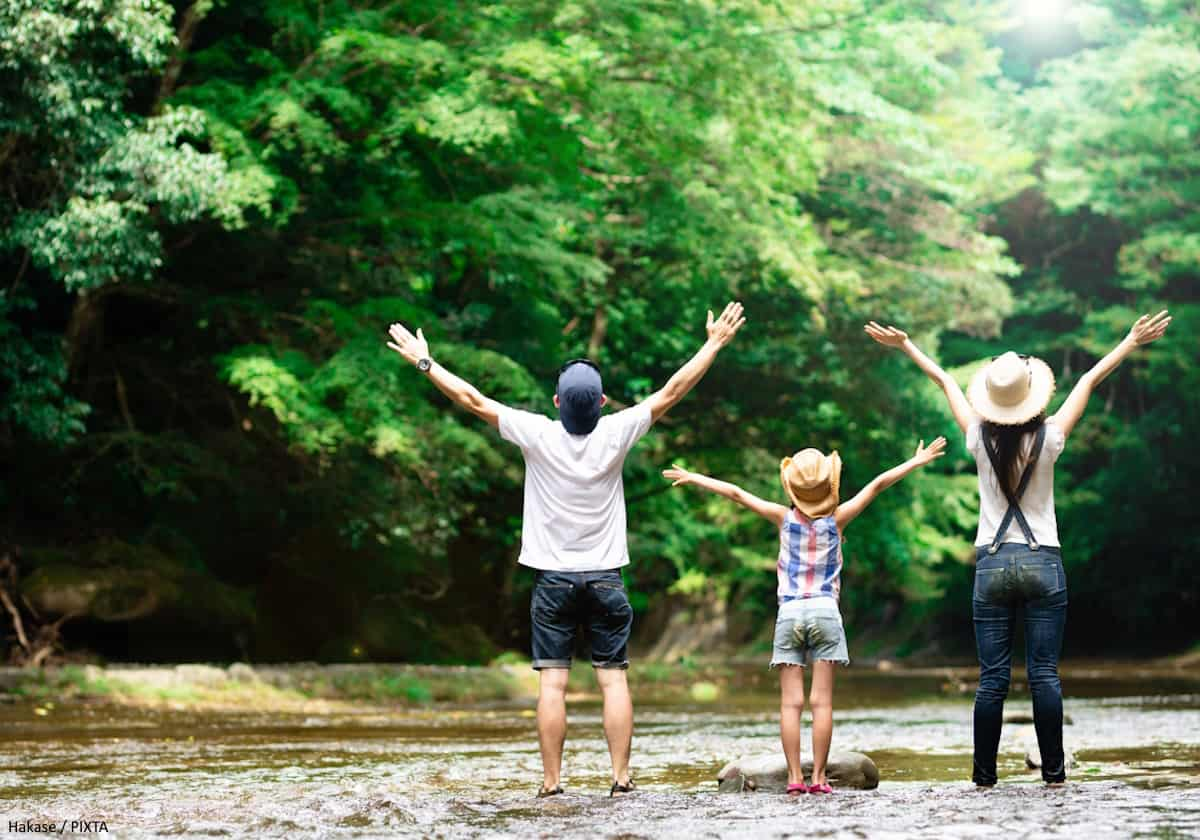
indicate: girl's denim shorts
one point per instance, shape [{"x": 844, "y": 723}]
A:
[{"x": 809, "y": 630}]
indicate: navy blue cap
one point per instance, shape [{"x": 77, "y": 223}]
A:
[{"x": 579, "y": 393}]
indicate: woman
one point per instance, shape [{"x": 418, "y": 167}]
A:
[{"x": 1018, "y": 560}]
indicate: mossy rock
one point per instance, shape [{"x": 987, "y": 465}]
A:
[{"x": 115, "y": 581}]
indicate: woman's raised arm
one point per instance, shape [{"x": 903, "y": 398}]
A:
[
  {"x": 893, "y": 337},
  {"x": 1144, "y": 331}
]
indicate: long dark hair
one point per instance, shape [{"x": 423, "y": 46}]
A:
[{"x": 1007, "y": 442}]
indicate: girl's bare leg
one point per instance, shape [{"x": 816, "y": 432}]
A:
[
  {"x": 820, "y": 700},
  {"x": 791, "y": 708}
]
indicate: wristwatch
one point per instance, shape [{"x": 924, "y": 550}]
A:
[{"x": 424, "y": 365}]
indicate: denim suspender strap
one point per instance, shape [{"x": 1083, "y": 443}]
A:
[{"x": 1014, "y": 508}]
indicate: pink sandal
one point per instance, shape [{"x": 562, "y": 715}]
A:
[
  {"x": 821, "y": 788},
  {"x": 797, "y": 789}
]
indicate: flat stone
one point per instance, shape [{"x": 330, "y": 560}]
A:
[
  {"x": 240, "y": 672},
  {"x": 768, "y": 773},
  {"x": 205, "y": 676}
]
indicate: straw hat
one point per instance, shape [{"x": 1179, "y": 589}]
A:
[
  {"x": 811, "y": 480},
  {"x": 1011, "y": 389}
]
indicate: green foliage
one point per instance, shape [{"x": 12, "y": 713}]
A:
[
  {"x": 214, "y": 228},
  {"x": 32, "y": 373},
  {"x": 1116, "y": 129}
]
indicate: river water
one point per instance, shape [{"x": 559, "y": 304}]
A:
[{"x": 472, "y": 772}]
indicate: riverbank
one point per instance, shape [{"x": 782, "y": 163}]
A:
[
  {"x": 330, "y": 687},
  {"x": 315, "y": 687}
]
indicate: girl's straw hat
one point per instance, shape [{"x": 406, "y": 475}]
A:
[
  {"x": 1011, "y": 389},
  {"x": 811, "y": 480}
]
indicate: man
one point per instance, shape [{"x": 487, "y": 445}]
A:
[{"x": 573, "y": 531}]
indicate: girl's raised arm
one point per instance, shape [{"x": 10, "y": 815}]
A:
[
  {"x": 1145, "y": 330},
  {"x": 925, "y": 454},
  {"x": 893, "y": 337},
  {"x": 767, "y": 510}
]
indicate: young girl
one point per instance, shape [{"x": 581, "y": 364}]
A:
[
  {"x": 1018, "y": 561},
  {"x": 808, "y": 630}
]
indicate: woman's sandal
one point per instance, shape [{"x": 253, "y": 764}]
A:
[
  {"x": 618, "y": 789},
  {"x": 797, "y": 789},
  {"x": 821, "y": 788},
  {"x": 555, "y": 791}
]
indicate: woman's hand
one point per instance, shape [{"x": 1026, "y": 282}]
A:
[
  {"x": 1147, "y": 329},
  {"x": 887, "y": 336},
  {"x": 677, "y": 475},
  {"x": 926, "y": 454},
  {"x": 412, "y": 347}
]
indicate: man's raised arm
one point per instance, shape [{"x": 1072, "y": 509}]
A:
[
  {"x": 415, "y": 350},
  {"x": 720, "y": 332}
]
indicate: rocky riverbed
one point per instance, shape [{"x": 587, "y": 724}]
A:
[{"x": 446, "y": 769}]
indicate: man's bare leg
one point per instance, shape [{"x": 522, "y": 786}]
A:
[
  {"x": 552, "y": 723},
  {"x": 618, "y": 720}
]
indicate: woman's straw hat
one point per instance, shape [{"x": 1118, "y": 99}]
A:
[
  {"x": 1011, "y": 389},
  {"x": 811, "y": 480}
]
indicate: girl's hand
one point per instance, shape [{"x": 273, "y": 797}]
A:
[
  {"x": 887, "y": 336},
  {"x": 677, "y": 475},
  {"x": 1147, "y": 329},
  {"x": 926, "y": 454}
]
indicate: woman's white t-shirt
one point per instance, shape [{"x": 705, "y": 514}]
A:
[
  {"x": 1037, "y": 503},
  {"x": 574, "y": 517}
]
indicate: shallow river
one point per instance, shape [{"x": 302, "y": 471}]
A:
[{"x": 471, "y": 772}]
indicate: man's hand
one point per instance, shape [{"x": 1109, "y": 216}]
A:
[
  {"x": 926, "y": 454},
  {"x": 1148, "y": 329},
  {"x": 722, "y": 330},
  {"x": 412, "y": 347},
  {"x": 887, "y": 336},
  {"x": 677, "y": 475}
]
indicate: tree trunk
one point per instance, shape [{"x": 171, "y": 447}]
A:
[
  {"x": 187, "y": 31},
  {"x": 599, "y": 330},
  {"x": 86, "y": 316}
]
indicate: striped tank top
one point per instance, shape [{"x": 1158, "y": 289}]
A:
[{"x": 810, "y": 557}]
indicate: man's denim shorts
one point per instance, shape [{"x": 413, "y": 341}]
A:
[
  {"x": 809, "y": 630},
  {"x": 562, "y": 601}
]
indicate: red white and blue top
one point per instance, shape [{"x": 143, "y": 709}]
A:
[{"x": 810, "y": 557}]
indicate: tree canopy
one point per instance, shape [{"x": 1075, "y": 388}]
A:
[{"x": 215, "y": 209}]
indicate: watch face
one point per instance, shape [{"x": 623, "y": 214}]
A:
[{"x": 424, "y": 364}]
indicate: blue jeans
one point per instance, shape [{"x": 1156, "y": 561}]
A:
[{"x": 1033, "y": 581}]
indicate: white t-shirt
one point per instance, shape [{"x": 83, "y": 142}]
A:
[
  {"x": 574, "y": 519},
  {"x": 1037, "y": 503}
]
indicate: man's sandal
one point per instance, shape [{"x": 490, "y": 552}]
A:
[
  {"x": 618, "y": 788},
  {"x": 555, "y": 791}
]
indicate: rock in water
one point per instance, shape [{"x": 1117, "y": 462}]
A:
[
  {"x": 768, "y": 773},
  {"x": 1033, "y": 758}
]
